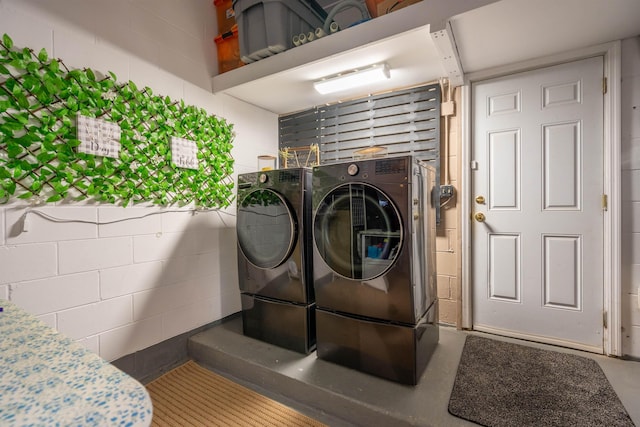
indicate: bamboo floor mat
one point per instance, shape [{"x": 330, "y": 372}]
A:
[{"x": 191, "y": 395}]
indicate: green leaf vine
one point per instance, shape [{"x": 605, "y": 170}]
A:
[{"x": 40, "y": 99}]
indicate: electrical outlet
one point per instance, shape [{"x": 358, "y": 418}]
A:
[{"x": 446, "y": 191}]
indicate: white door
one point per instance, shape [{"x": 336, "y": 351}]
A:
[{"x": 537, "y": 155}]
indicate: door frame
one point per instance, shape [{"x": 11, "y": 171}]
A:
[{"x": 611, "y": 52}]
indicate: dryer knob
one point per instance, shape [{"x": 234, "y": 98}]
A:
[
  {"x": 353, "y": 169},
  {"x": 264, "y": 178}
]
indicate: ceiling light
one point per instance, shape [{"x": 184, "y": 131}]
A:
[{"x": 352, "y": 78}]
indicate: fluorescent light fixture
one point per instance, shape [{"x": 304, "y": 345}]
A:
[{"x": 353, "y": 78}]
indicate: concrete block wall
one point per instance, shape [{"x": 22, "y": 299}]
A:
[
  {"x": 116, "y": 279},
  {"x": 121, "y": 287},
  {"x": 630, "y": 112},
  {"x": 448, "y": 260},
  {"x": 174, "y": 36}
]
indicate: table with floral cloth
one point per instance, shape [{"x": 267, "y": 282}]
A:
[{"x": 47, "y": 379}]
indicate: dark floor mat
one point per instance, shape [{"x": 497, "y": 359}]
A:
[{"x": 504, "y": 384}]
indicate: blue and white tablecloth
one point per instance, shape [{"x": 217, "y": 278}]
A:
[{"x": 47, "y": 379}]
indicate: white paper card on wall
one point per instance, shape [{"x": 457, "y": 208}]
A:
[
  {"x": 184, "y": 153},
  {"x": 98, "y": 137}
]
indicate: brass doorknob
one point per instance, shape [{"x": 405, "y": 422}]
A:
[{"x": 479, "y": 217}]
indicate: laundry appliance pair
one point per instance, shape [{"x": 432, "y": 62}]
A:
[{"x": 369, "y": 239}]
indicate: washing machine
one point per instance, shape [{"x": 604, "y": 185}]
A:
[
  {"x": 274, "y": 257},
  {"x": 374, "y": 273}
]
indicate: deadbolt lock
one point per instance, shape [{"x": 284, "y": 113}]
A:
[
  {"x": 480, "y": 200},
  {"x": 479, "y": 217}
]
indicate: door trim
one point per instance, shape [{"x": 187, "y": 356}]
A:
[{"x": 611, "y": 53}]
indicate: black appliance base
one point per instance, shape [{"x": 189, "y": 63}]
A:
[
  {"x": 396, "y": 352},
  {"x": 285, "y": 324}
]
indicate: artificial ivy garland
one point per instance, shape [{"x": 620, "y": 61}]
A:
[{"x": 40, "y": 99}]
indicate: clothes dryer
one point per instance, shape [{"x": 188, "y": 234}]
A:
[
  {"x": 274, "y": 257},
  {"x": 374, "y": 265}
]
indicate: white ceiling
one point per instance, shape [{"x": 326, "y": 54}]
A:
[
  {"x": 511, "y": 31},
  {"x": 491, "y": 35}
]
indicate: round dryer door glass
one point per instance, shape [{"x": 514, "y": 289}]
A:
[
  {"x": 357, "y": 231},
  {"x": 266, "y": 228}
]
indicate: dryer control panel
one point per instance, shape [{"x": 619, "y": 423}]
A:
[{"x": 392, "y": 166}]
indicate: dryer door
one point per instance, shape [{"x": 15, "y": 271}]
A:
[
  {"x": 266, "y": 228},
  {"x": 358, "y": 232}
]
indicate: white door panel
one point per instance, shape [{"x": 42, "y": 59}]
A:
[
  {"x": 538, "y": 256},
  {"x": 562, "y": 272},
  {"x": 504, "y": 169},
  {"x": 504, "y": 267},
  {"x": 562, "y": 165}
]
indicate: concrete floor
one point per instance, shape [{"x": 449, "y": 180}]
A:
[{"x": 339, "y": 396}]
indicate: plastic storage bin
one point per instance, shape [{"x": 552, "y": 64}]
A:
[
  {"x": 228, "y": 51},
  {"x": 384, "y": 7},
  {"x": 267, "y": 27},
  {"x": 226, "y": 15}
]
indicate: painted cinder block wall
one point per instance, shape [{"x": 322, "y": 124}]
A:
[
  {"x": 122, "y": 287},
  {"x": 448, "y": 259},
  {"x": 630, "y": 112}
]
